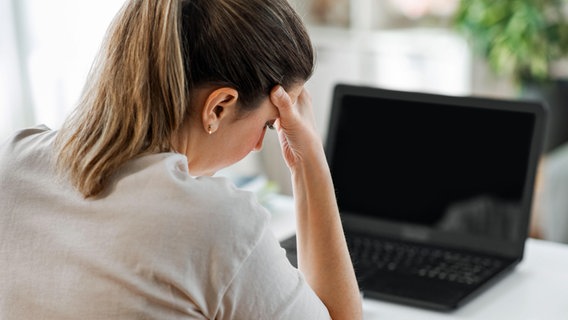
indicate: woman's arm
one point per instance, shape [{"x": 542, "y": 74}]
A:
[{"x": 322, "y": 250}]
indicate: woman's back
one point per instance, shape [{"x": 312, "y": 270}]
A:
[{"x": 158, "y": 244}]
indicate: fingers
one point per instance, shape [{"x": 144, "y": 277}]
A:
[
  {"x": 280, "y": 98},
  {"x": 305, "y": 97},
  {"x": 297, "y": 102}
]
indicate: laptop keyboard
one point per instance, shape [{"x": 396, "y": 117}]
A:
[{"x": 370, "y": 255}]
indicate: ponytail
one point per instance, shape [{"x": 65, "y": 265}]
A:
[{"x": 134, "y": 100}]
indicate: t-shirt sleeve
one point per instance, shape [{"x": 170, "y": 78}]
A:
[{"x": 267, "y": 286}]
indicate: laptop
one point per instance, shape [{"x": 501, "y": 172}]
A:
[{"x": 434, "y": 191}]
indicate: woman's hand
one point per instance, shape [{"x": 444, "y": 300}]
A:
[{"x": 296, "y": 124}]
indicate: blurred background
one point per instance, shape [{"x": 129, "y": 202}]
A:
[{"x": 514, "y": 49}]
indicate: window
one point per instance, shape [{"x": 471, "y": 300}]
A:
[{"x": 47, "y": 50}]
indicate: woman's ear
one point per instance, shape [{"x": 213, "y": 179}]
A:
[{"x": 218, "y": 104}]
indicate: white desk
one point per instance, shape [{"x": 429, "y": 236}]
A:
[{"x": 537, "y": 289}]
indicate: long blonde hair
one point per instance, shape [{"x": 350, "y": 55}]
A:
[{"x": 155, "y": 51}]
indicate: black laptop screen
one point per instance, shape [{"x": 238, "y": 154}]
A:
[{"x": 452, "y": 168}]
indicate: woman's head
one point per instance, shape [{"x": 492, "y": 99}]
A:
[
  {"x": 155, "y": 55},
  {"x": 249, "y": 45}
]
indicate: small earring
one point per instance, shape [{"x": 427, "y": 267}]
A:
[{"x": 209, "y": 129}]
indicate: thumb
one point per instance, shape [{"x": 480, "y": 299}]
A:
[{"x": 280, "y": 98}]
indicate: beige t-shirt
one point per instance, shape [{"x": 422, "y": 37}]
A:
[{"x": 159, "y": 244}]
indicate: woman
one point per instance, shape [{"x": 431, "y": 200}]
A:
[{"x": 117, "y": 215}]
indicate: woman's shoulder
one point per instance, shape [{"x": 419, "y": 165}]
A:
[
  {"x": 25, "y": 148},
  {"x": 28, "y": 134},
  {"x": 168, "y": 171},
  {"x": 162, "y": 182},
  {"x": 200, "y": 216}
]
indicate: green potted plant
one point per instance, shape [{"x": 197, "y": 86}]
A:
[{"x": 523, "y": 39}]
